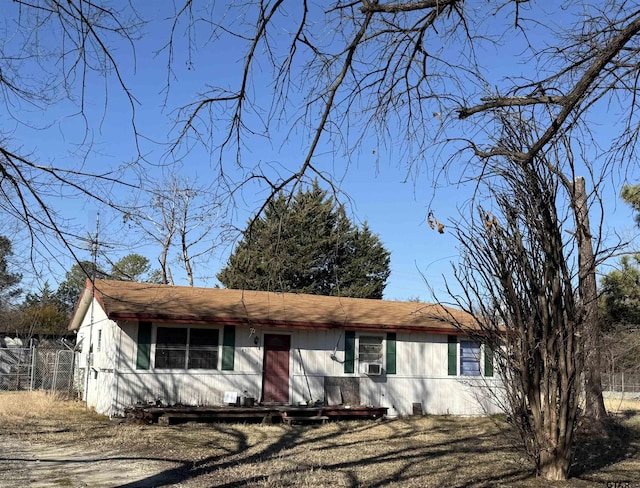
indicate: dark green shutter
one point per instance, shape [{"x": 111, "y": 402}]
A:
[
  {"x": 143, "y": 359},
  {"x": 349, "y": 350},
  {"x": 488, "y": 361},
  {"x": 391, "y": 353},
  {"x": 228, "y": 347},
  {"x": 452, "y": 356}
]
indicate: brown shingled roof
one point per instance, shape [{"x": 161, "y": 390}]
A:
[{"x": 123, "y": 300}]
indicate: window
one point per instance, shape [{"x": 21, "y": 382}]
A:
[
  {"x": 99, "y": 340},
  {"x": 370, "y": 349},
  {"x": 469, "y": 358},
  {"x": 186, "y": 348},
  {"x": 203, "y": 349},
  {"x": 171, "y": 348}
]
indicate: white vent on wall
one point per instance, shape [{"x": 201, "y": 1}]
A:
[{"x": 371, "y": 369}]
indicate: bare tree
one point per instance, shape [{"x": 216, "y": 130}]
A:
[
  {"x": 519, "y": 127},
  {"x": 184, "y": 217},
  {"x": 594, "y": 64},
  {"x": 158, "y": 222},
  {"x": 528, "y": 272},
  {"x": 373, "y": 74},
  {"x": 518, "y": 283},
  {"x": 201, "y": 215},
  {"x": 51, "y": 55},
  {"x": 400, "y": 72},
  {"x": 588, "y": 290}
]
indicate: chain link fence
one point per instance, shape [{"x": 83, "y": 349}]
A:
[
  {"x": 37, "y": 368},
  {"x": 621, "y": 383}
]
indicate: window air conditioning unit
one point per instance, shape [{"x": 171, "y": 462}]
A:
[{"x": 372, "y": 369}]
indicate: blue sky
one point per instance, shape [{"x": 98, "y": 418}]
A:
[{"x": 376, "y": 181}]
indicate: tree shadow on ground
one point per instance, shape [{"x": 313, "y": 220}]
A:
[
  {"x": 188, "y": 469},
  {"x": 599, "y": 447},
  {"x": 408, "y": 461}
]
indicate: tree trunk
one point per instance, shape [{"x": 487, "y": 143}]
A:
[
  {"x": 554, "y": 465},
  {"x": 166, "y": 244},
  {"x": 187, "y": 259},
  {"x": 594, "y": 402},
  {"x": 183, "y": 237}
]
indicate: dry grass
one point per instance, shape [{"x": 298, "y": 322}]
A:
[
  {"x": 620, "y": 405},
  {"x": 20, "y": 405},
  {"x": 406, "y": 452}
]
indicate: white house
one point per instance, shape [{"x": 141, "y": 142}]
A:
[{"x": 143, "y": 342}]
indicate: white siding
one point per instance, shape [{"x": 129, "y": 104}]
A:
[
  {"x": 186, "y": 386},
  {"x": 422, "y": 355},
  {"x": 97, "y": 364},
  {"x": 312, "y": 353},
  {"x": 421, "y": 365}
]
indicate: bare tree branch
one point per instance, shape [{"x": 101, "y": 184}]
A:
[
  {"x": 393, "y": 8},
  {"x": 490, "y": 104}
]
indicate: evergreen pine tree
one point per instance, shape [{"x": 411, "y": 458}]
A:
[{"x": 307, "y": 244}]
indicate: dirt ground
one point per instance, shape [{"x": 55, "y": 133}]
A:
[
  {"x": 36, "y": 465},
  {"x": 46, "y": 442}
]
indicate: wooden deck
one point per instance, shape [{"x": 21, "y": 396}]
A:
[{"x": 265, "y": 414}]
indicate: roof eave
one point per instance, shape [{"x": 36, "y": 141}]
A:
[{"x": 280, "y": 324}]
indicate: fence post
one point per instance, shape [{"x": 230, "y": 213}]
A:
[
  {"x": 56, "y": 365},
  {"x": 33, "y": 367}
]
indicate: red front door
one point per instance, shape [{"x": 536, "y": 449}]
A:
[{"x": 275, "y": 379}]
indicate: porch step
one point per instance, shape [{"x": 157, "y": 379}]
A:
[{"x": 300, "y": 419}]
